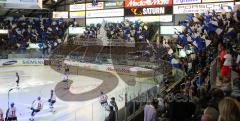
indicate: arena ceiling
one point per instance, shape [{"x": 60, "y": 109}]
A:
[{"x": 48, "y": 7}]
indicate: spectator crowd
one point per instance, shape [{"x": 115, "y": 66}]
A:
[
  {"x": 198, "y": 98},
  {"x": 125, "y": 30},
  {"x": 22, "y": 31}
]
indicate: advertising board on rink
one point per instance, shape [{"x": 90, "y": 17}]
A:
[{"x": 21, "y": 62}]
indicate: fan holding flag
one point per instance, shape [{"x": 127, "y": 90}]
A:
[{"x": 94, "y": 2}]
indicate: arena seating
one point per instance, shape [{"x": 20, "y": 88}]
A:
[
  {"x": 23, "y": 31},
  {"x": 204, "y": 95}
]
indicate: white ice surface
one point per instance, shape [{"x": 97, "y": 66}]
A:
[{"x": 39, "y": 80}]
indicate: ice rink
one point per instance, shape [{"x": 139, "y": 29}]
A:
[{"x": 39, "y": 80}]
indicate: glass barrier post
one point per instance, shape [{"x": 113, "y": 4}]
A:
[{"x": 126, "y": 100}]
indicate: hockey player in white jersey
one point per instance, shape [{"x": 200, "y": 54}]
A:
[
  {"x": 11, "y": 113},
  {"x": 65, "y": 81},
  {"x": 51, "y": 101},
  {"x": 103, "y": 100},
  {"x": 37, "y": 106}
]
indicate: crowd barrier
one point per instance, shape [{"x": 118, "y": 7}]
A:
[
  {"x": 110, "y": 42},
  {"x": 122, "y": 69}
]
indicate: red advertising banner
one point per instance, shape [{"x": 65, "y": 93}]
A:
[{"x": 143, "y": 3}]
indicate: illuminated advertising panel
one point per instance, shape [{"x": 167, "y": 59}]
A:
[
  {"x": 170, "y": 29},
  {"x": 113, "y": 4},
  {"x": 79, "y": 14},
  {"x": 145, "y": 19},
  {"x": 3, "y": 31},
  {"x": 87, "y": 6},
  {"x": 148, "y": 11},
  {"x": 209, "y": 1},
  {"x": 22, "y": 4},
  {"x": 164, "y": 18},
  {"x": 63, "y": 14},
  {"x": 77, "y": 7},
  {"x": 106, "y": 20},
  {"x": 201, "y": 8},
  {"x": 40, "y": 3},
  {"x": 76, "y": 30},
  {"x": 90, "y": 6},
  {"x": 185, "y": 1},
  {"x": 144, "y": 3},
  {"x": 105, "y": 13}
]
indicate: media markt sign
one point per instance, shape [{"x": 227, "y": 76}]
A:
[{"x": 143, "y": 3}]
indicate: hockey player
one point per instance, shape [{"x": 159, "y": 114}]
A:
[
  {"x": 114, "y": 105},
  {"x": 66, "y": 69},
  {"x": 103, "y": 100},
  {"x": 17, "y": 81},
  {"x": 65, "y": 81},
  {"x": 59, "y": 65},
  {"x": 52, "y": 100},
  {"x": 37, "y": 106},
  {"x": 1, "y": 115},
  {"x": 11, "y": 113}
]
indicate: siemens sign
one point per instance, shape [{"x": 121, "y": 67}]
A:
[{"x": 33, "y": 62}]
